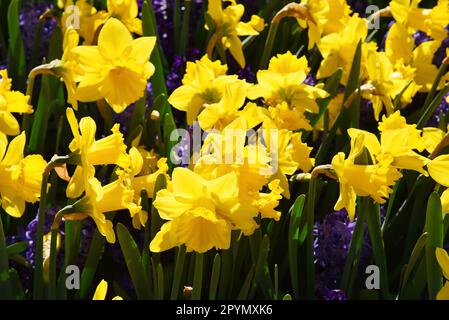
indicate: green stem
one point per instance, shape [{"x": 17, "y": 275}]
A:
[
  {"x": 268, "y": 45},
  {"x": 374, "y": 227},
  {"x": 198, "y": 277},
  {"x": 310, "y": 266},
  {"x": 38, "y": 268},
  {"x": 179, "y": 268},
  {"x": 5, "y": 285},
  {"x": 353, "y": 257},
  {"x": 431, "y": 108},
  {"x": 53, "y": 256},
  {"x": 185, "y": 27}
]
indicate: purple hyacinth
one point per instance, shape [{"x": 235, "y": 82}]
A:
[
  {"x": 184, "y": 148},
  {"x": 333, "y": 236},
  {"x": 384, "y": 39},
  {"x": 440, "y": 112},
  {"x": 420, "y": 37},
  {"x": 440, "y": 54},
  {"x": 28, "y": 21},
  {"x": 358, "y": 6},
  {"x": 178, "y": 68},
  {"x": 311, "y": 79},
  {"x": 31, "y": 233}
]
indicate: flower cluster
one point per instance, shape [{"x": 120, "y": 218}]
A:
[{"x": 287, "y": 145}]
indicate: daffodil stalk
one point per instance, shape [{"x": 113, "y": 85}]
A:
[
  {"x": 39, "y": 70},
  {"x": 198, "y": 276},
  {"x": 185, "y": 26},
  {"x": 5, "y": 286},
  {"x": 310, "y": 216},
  {"x": 47, "y": 14},
  {"x": 385, "y": 12},
  {"x": 38, "y": 270},
  {"x": 290, "y": 10}
]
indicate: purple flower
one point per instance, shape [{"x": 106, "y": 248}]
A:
[
  {"x": 333, "y": 236},
  {"x": 440, "y": 112},
  {"x": 358, "y": 6},
  {"x": 178, "y": 68},
  {"x": 311, "y": 79},
  {"x": 440, "y": 54},
  {"x": 420, "y": 37},
  {"x": 28, "y": 21}
]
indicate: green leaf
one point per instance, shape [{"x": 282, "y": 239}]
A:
[
  {"x": 332, "y": 86},
  {"x": 294, "y": 241},
  {"x": 133, "y": 262},
  {"x": 160, "y": 282},
  {"x": 434, "y": 228},
  {"x": 262, "y": 278},
  {"x": 374, "y": 227},
  {"x": 158, "y": 79},
  {"x": 17, "y": 248},
  {"x": 16, "y": 52},
  {"x": 214, "y": 277},
  {"x": 310, "y": 216},
  {"x": 93, "y": 258},
  {"x": 352, "y": 110},
  {"x": 179, "y": 268},
  {"x": 5, "y": 284},
  {"x": 198, "y": 276},
  {"x": 243, "y": 294},
  {"x": 268, "y": 45},
  {"x": 16, "y": 285},
  {"x": 414, "y": 259},
  {"x": 432, "y": 107},
  {"x": 355, "y": 250}
]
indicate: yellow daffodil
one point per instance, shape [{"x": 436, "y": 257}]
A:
[
  {"x": 201, "y": 212},
  {"x": 99, "y": 200},
  {"x": 108, "y": 150},
  {"x": 225, "y": 152},
  {"x": 20, "y": 177},
  {"x": 443, "y": 261},
  {"x": 82, "y": 15},
  {"x": 398, "y": 140},
  {"x": 102, "y": 290},
  {"x": 338, "y": 49},
  {"x": 431, "y": 21},
  {"x": 11, "y": 101},
  {"x": 228, "y": 27},
  {"x": 283, "y": 83},
  {"x": 395, "y": 151},
  {"x": 322, "y": 17},
  {"x": 126, "y": 11},
  {"x": 438, "y": 169},
  {"x": 399, "y": 47},
  {"x": 289, "y": 152},
  {"x": 432, "y": 137},
  {"x": 373, "y": 180},
  {"x": 333, "y": 109},
  {"x": 220, "y": 114},
  {"x": 70, "y": 71},
  {"x": 384, "y": 81},
  {"x": 117, "y": 69},
  {"x": 137, "y": 182},
  {"x": 204, "y": 83}
]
